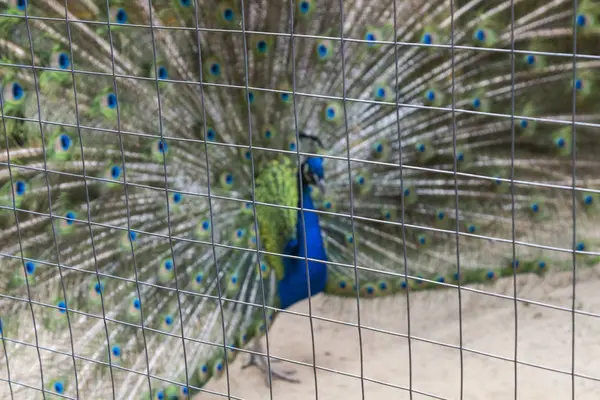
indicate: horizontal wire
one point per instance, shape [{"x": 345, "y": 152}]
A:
[
  {"x": 389, "y": 273},
  {"x": 367, "y": 219},
  {"x": 282, "y": 151},
  {"x": 104, "y": 363},
  {"x": 308, "y": 36},
  {"x": 324, "y": 319},
  {"x": 304, "y": 94}
]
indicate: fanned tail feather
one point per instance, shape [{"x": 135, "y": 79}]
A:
[{"x": 146, "y": 247}]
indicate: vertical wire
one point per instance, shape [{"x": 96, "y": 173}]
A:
[
  {"x": 301, "y": 196},
  {"x": 262, "y": 286},
  {"x": 4, "y": 346},
  {"x": 210, "y": 209},
  {"x": 410, "y": 375},
  {"x": 456, "y": 217},
  {"x": 22, "y": 259},
  {"x": 362, "y": 367},
  {"x": 574, "y": 178},
  {"x": 87, "y": 195},
  {"x": 12, "y": 185},
  {"x": 120, "y": 135},
  {"x": 512, "y": 184},
  {"x": 164, "y": 153},
  {"x": 39, "y": 112}
]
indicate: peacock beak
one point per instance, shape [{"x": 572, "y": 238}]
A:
[{"x": 322, "y": 186}]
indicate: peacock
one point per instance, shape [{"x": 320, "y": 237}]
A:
[{"x": 176, "y": 172}]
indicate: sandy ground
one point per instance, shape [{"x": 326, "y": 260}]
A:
[{"x": 544, "y": 339}]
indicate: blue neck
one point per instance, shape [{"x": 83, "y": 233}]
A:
[{"x": 294, "y": 286}]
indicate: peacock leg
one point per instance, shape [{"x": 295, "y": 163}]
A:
[{"x": 260, "y": 362}]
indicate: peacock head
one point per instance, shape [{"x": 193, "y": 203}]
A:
[{"x": 313, "y": 172}]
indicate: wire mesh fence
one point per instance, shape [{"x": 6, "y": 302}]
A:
[{"x": 177, "y": 174}]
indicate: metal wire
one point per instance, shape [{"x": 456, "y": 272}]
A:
[{"x": 355, "y": 266}]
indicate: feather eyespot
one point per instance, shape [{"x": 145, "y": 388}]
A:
[
  {"x": 210, "y": 134},
  {"x": 14, "y": 92},
  {"x": 98, "y": 288},
  {"x": 121, "y": 16},
  {"x": 29, "y": 267},
  {"x": 59, "y": 387},
  {"x": 20, "y": 188},
  {"x": 530, "y": 59},
  {"x": 330, "y": 113},
  {"x": 262, "y": 46},
  {"x": 111, "y": 101},
  {"x": 215, "y": 69},
  {"x": 479, "y": 35},
  {"x": 304, "y": 7},
  {"x": 70, "y": 217},
  {"x": 322, "y": 50},
  {"x": 163, "y": 73},
  {"x": 177, "y": 197},
  {"x": 228, "y": 14},
  {"x": 370, "y": 37},
  {"x": 63, "y": 61}
]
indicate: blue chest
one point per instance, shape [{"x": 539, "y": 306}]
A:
[{"x": 294, "y": 286}]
